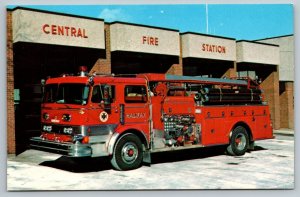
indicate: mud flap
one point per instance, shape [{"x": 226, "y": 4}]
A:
[
  {"x": 147, "y": 158},
  {"x": 251, "y": 146}
]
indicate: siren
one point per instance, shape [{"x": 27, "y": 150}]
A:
[{"x": 82, "y": 71}]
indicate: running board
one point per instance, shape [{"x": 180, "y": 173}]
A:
[{"x": 174, "y": 148}]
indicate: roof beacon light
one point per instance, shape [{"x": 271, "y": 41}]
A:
[{"x": 83, "y": 71}]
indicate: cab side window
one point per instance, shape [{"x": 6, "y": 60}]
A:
[
  {"x": 135, "y": 94},
  {"x": 98, "y": 93}
]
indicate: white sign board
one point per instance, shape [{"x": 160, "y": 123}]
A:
[
  {"x": 257, "y": 53},
  {"x": 208, "y": 47},
  {"x": 134, "y": 38},
  {"x": 287, "y": 60},
  {"x": 48, "y": 28}
]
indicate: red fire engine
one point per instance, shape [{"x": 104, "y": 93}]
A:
[{"x": 128, "y": 117}]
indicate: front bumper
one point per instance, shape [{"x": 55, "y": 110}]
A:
[{"x": 68, "y": 149}]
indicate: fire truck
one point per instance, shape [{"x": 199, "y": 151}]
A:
[{"x": 128, "y": 117}]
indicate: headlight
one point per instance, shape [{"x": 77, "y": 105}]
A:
[
  {"x": 66, "y": 117},
  {"x": 46, "y": 116},
  {"x": 68, "y": 130},
  {"x": 47, "y": 128}
]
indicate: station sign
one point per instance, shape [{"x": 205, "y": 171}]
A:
[
  {"x": 51, "y": 28},
  {"x": 145, "y": 39},
  {"x": 208, "y": 47},
  {"x": 255, "y": 52}
]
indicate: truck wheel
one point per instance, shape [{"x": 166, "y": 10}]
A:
[
  {"x": 128, "y": 153},
  {"x": 239, "y": 142}
]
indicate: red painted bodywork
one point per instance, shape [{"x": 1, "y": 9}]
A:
[{"x": 217, "y": 121}]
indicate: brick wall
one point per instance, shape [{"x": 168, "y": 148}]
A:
[
  {"x": 104, "y": 65},
  {"x": 287, "y": 106},
  {"x": 231, "y": 72},
  {"x": 271, "y": 90},
  {"x": 11, "y": 137},
  {"x": 177, "y": 69}
]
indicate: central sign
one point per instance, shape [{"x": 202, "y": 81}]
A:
[
  {"x": 64, "y": 31},
  {"x": 52, "y": 28}
]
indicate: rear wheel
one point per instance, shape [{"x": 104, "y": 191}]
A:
[
  {"x": 128, "y": 153},
  {"x": 239, "y": 142}
]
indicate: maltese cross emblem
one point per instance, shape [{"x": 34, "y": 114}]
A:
[{"x": 103, "y": 116}]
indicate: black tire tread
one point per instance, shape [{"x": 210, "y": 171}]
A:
[
  {"x": 231, "y": 149},
  {"x": 116, "y": 160}
]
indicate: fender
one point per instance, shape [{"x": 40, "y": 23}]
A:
[
  {"x": 139, "y": 131},
  {"x": 116, "y": 135},
  {"x": 245, "y": 125},
  {"x": 115, "y": 138},
  {"x": 111, "y": 143}
]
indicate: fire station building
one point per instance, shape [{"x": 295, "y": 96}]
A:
[{"x": 42, "y": 44}]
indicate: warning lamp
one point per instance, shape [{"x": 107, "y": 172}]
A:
[
  {"x": 46, "y": 116},
  {"x": 66, "y": 117},
  {"x": 81, "y": 139},
  {"x": 85, "y": 140},
  {"x": 82, "y": 70}
]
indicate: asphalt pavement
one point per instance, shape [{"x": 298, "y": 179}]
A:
[{"x": 269, "y": 166}]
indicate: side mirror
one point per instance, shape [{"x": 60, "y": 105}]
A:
[
  {"x": 107, "y": 98},
  {"x": 43, "y": 82}
]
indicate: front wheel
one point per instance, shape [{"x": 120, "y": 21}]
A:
[
  {"x": 239, "y": 142},
  {"x": 128, "y": 153}
]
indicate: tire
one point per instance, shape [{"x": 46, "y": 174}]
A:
[
  {"x": 239, "y": 142},
  {"x": 128, "y": 153}
]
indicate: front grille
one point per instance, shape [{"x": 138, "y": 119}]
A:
[
  {"x": 68, "y": 149},
  {"x": 62, "y": 148}
]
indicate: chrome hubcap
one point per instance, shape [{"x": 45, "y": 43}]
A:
[
  {"x": 240, "y": 142},
  {"x": 129, "y": 152}
]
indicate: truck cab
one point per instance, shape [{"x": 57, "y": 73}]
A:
[{"x": 84, "y": 116}]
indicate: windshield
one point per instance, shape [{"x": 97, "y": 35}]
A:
[{"x": 66, "y": 93}]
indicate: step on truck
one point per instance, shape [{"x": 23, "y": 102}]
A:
[{"x": 128, "y": 117}]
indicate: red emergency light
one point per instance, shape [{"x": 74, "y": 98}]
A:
[{"x": 82, "y": 70}]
